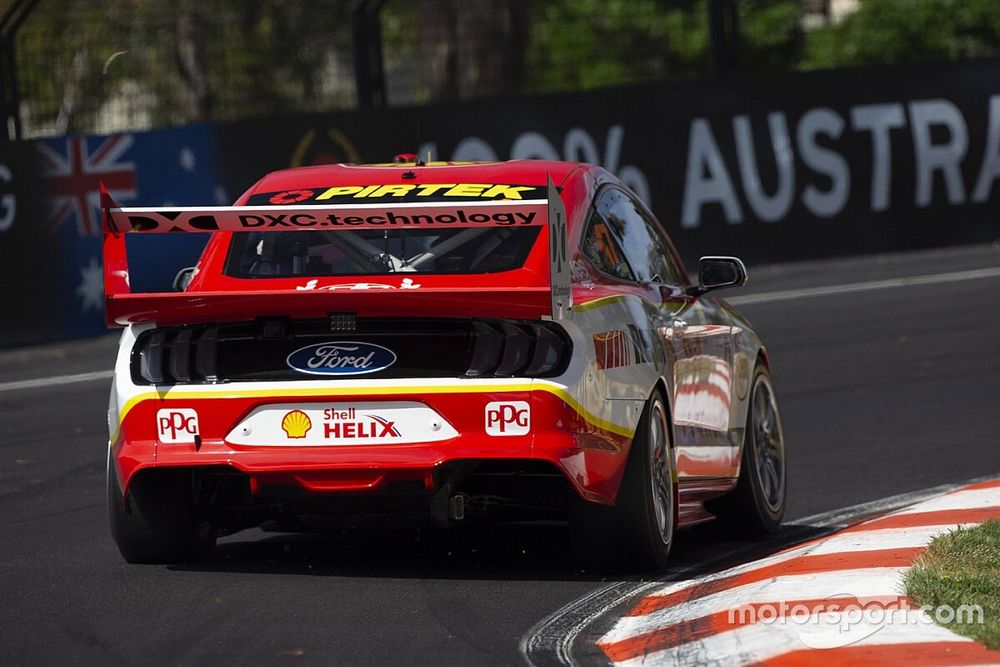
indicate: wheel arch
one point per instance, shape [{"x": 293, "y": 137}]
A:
[
  {"x": 762, "y": 356},
  {"x": 661, "y": 384}
]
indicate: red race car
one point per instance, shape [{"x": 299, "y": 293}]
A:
[{"x": 438, "y": 342}]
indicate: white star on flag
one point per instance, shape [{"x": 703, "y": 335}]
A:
[
  {"x": 187, "y": 159},
  {"x": 91, "y": 287}
]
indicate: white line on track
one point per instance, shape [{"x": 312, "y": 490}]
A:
[
  {"x": 960, "y": 500},
  {"x": 850, "y": 288},
  {"x": 55, "y": 380}
]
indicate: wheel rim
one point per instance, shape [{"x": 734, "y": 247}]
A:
[
  {"x": 768, "y": 445},
  {"x": 661, "y": 473}
]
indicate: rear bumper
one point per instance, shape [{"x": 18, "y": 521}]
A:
[{"x": 591, "y": 455}]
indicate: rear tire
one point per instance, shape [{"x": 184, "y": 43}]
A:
[
  {"x": 155, "y": 522},
  {"x": 637, "y": 533},
  {"x": 755, "y": 508}
]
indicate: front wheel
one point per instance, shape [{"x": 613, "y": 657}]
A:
[
  {"x": 155, "y": 521},
  {"x": 638, "y": 532},
  {"x": 755, "y": 508}
]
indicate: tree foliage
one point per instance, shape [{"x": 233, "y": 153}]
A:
[
  {"x": 83, "y": 65},
  {"x": 587, "y": 44},
  {"x": 104, "y": 65},
  {"x": 901, "y": 31}
]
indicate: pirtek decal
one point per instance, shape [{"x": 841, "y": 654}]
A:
[
  {"x": 400, "y": 192},
  {"x": 291, "y": 197}
]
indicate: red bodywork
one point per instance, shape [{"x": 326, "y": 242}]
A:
[
  {"x": 221, "y": 297},
  {"x": 369, "y": 467},
  {"x": 589, "y": 455}
]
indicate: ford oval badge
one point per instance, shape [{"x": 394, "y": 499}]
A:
[{"x": 342, "y": 357}]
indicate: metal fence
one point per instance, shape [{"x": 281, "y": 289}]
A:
[
  {"x": 85, "y": 66},
  {"x": 88, "y": 66}
]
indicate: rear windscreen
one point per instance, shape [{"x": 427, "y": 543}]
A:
[{"x": 379, "y": 251}]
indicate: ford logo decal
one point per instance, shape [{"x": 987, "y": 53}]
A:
[{"x": 342, "y": 357}]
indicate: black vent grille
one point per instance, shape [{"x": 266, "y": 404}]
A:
[{"x": 431, "y": 348}]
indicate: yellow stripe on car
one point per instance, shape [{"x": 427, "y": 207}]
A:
[{"x": 363, "y": 392}]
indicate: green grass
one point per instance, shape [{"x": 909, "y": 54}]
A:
[{"x": 962, "y": 568}]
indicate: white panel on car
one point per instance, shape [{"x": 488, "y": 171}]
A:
[{"x": 340, "y": 424}]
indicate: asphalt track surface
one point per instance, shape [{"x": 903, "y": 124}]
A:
[{"x": 883, "y": 390}]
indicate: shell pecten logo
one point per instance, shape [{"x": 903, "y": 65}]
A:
[{"x": 296, "y": 424}]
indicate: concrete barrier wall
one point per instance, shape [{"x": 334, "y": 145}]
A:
[{"x": 775, "y": 169}]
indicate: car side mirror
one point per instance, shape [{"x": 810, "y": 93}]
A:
[
  {"x": 183, "y": 278},
  {"x": 717, "y": 272}
]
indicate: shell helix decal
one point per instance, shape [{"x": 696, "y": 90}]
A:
[
  {"x": 341, "y": 424},
  {"x": 296, "y": 424}
]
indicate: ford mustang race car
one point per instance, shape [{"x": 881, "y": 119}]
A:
[{"x": 435, "y": 342}]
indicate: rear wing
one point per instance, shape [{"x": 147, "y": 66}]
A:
[{"x": 122, "y": 306}]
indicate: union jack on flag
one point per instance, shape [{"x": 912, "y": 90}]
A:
[{"x": 74, "y": 168}]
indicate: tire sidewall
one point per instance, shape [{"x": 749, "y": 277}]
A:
[
  {"x": 155, "y": 523},
  {"x": 770, "y": 519},
  {"x": 637, "y": 511}
]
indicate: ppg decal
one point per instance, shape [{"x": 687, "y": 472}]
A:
[
  {"x": 508, "y": 418},
  {"x": 177, "y": 426}
]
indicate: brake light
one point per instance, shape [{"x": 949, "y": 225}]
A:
[
  {"x": 550, "y": 351},
  {"x": 487, "y": 346},
  {"x": 509, "y": 349},
  {"x": 180, "y": 357},
  {"x": 207, "y": 353},
  {"x": 151, "y": 356},
  {"x": 517, "y": 350},
  {"x": 165, "y": 357}
]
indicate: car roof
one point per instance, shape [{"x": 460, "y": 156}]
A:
[{"x": 513, "y": 172}]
